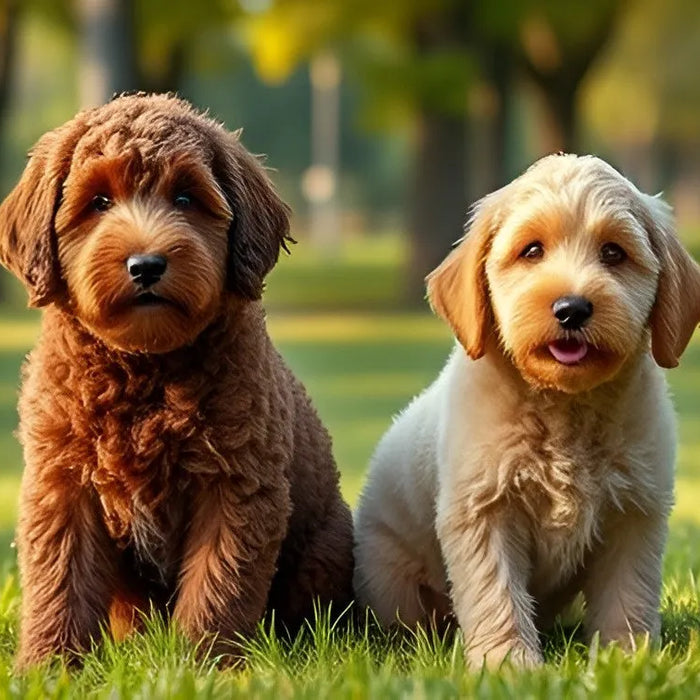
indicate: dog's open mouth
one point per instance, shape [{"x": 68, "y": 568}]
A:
[
  {"x": 151, "y": 299},
  {"x": 568, "y": 351}
]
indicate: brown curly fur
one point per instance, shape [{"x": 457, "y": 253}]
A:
[{"x": 171, "y": 457}]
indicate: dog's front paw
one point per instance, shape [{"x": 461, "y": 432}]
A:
[{"x": 513, "y": 651}]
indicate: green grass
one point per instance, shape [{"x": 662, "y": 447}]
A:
[
  {"x": 359, "y": 273},
  {"x": 361, "y": 367}
]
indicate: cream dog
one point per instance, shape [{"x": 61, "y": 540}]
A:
[{"x": 540, "y": 463}]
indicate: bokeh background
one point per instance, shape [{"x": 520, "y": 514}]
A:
[{"x": 383, "y": 120}]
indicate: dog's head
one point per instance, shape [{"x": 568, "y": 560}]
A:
[
  {"x": 139, "y": 217},
  {"x": 569, "y": 268}
]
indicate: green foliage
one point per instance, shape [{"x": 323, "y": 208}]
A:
[
  {"x": 414, "y": 51},
  {"x": 574, "y": 23},
  {"x": 402, "y": 82},
  {"x": 646, "y": 86},
  {"x": 159, "y": 31},
  {"x": 61, "y": 13},
  {"x": 165, "y": 30},
  {"x": 431, "y": 54}
]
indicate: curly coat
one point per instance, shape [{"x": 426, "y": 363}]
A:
[{"x": 171, "y": 457}]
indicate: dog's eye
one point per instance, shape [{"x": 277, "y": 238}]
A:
[
  {"x": 182, "y": 200},
  {"x": 101, "y": 202},
  {"x": 532, "y": 251},
  {"x": 612, "y": 254}
]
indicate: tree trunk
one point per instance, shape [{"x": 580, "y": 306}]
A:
[
  {"x": 438, "y": 205},
  {"x": 107, "y": 49},
  {"x": 561, "y": 114},
  {"x": 502, "y": 78},
  {"x": 321, "y": 179},
  {"x": 559, "y": 80},
  {"x": 491, "y": 123},
  {"x": 565, "y": 110}
]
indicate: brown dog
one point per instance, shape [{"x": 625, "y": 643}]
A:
[{"x": 171, "y": 456}]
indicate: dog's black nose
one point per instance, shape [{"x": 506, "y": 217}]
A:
[
  {"x": 572, "y": 312},
  {"x": 146, "y": 270}
]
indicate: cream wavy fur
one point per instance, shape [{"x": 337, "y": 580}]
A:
[{"x": 515, "y": 481}]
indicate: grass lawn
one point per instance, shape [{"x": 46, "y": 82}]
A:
[{"x": 361, "y": 367}]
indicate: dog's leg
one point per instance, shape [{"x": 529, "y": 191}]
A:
[
  {"x": 623, "y": 583},
  {"x": 388, "y": 576},
  {"x": 229, "y": 560},
  {"x": 68, "y": 567},
  {"x": 315, "y": 568},
  {"x": 126, "y": 612},
  {"x": 488, "y": 568}
]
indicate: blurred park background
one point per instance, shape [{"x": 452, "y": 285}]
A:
[{"x": 382, "y": 121}]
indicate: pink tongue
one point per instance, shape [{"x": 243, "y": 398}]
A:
[{"x": 568, "y": 352}]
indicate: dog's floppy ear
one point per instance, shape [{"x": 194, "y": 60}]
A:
[
  {"x": 260, "y": 225},
  {"x": 676, "y": 311},
  {"x": 27, "y": 237},
  {"x": 457, "y": 288}
]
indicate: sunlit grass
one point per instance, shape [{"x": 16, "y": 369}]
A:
[
  {"x": 356, "y": 660},
  {"x": 358, "y": 273},
  {"x": 18, "y": 335},
  {"x": 352, "y": 328}
]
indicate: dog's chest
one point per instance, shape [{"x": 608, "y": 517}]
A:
[
  {"x": 564, "y": 475},
  {"x": 144, "y": 445},
  {"x": 141, "y": 485}
]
